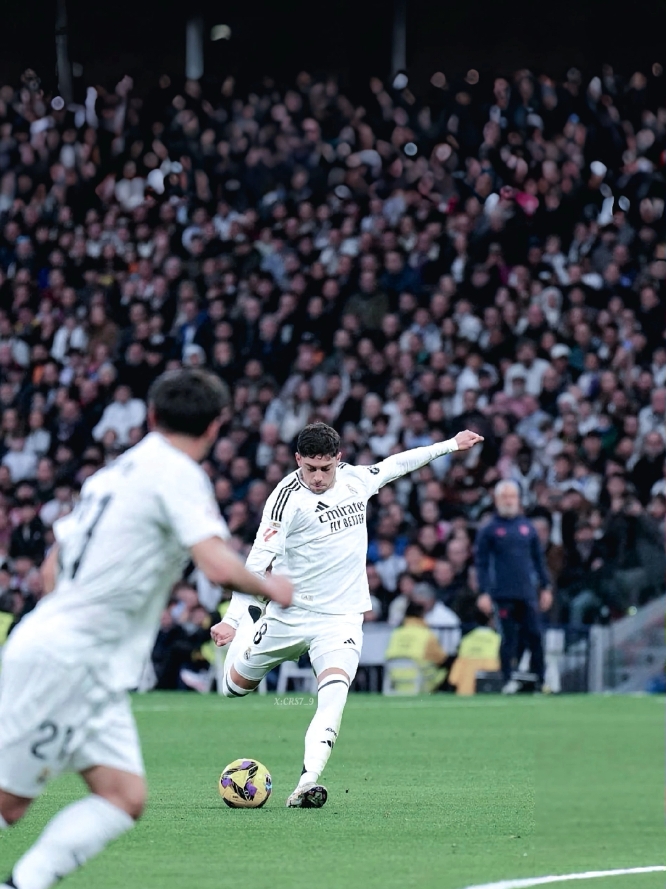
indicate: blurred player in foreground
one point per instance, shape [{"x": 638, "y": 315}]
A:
[
  {"x": 67, "y": 666},
  {"x": 313, "y": 530}
]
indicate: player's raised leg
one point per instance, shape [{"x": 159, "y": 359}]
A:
[{"x": 257, "y": 648}]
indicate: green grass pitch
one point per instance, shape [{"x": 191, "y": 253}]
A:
[{"x": 423, "y": 792}]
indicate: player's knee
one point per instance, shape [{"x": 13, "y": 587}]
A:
[
  {"x": 12, "y": 808},
  {"x": 236, "y": 686},
  {"x": 129, "y": 795}
]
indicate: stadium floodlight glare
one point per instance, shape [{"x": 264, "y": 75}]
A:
[{"x": 220, "y": 32}]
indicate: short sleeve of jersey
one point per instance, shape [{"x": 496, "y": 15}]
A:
[{"x": 191, "y": 508}]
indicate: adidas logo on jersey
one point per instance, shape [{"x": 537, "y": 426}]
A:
[
  {"x": 349, "y": 642},
  {"x": 320, "y": 506}
]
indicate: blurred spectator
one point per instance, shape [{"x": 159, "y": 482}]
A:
[
  {"x": 512, "y": 572},
  {"x": 122, "y": 415},
  {"x": 415, "y": 641}
]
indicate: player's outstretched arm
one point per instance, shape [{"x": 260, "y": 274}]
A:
[
  {"x": 398, "y": 465},
  {"x": 223, "y": 567}
]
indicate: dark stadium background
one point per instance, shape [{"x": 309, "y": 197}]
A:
[{"x": 349, "y": 37}]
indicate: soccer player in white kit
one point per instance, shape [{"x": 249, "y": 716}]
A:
[
  {"x": 67, "y": 666},
  {"x": 313, "y": 530}
]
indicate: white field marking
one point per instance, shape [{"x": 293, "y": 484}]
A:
[{"x": 565, "y": 878}]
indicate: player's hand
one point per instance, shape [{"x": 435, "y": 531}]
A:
[
  {"x": 222, "y": 634},
  {"x": 279, "y": 589},
  {"x": 545, "y": 600},
  {"x": 466, "y": 440}
]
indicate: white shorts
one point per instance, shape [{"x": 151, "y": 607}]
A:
[
  {"x": 57, "y": 718},
  {"x": 333, "y": 640}
]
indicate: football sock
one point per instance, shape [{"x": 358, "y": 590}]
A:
[
  {"x": 323, "y": 731},
  {"x": 231, "y": 689},
  {"x": 3, "y": 823},
  {"x": 74, "y": 836}
]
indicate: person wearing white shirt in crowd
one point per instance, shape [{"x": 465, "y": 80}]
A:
[
  {"x": 124, "y": 413},
  {"x": 38, "y": 440},
  {"x": 22, "y": 464},
  {"x": 528, "y": 366},
  {"x": 60, "y": 506},
  {"x": 69, "y": 336},
  {"x": 436, "y": 614},
  {"x": 653, "y": 417}
]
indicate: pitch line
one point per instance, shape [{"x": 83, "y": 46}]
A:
[{"x": 565, "y": 878}]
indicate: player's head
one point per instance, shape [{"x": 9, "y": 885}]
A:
[
  {"x": 318, "y": 455},
  {"x": 507, "y": 499},
  {"x": 188, "y": 402}
]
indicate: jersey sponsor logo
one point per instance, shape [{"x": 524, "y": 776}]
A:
[
  {"x": 349, "y": 642},
  {"x": 282, "y": 498},
  {"x": 342, "y": 511},
  {"x": 320, "y": 506}
]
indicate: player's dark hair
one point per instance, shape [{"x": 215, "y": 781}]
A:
[
  {"x": 318, "y": 440},
  {"x": 187, "y": 401}
]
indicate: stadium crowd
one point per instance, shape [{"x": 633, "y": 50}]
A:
[{"x": 490, "y": 255}]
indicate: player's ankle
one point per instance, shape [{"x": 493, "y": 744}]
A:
[{"x": 308, "y": 778}]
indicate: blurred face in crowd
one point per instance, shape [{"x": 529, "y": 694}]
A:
[{"x": 507, "y": 500}]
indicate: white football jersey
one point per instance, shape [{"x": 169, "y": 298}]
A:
[
  {"x": 320, "y": 541},
  {"x": 121, "y": 550}
]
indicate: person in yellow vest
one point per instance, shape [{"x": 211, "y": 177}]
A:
[
  {"x": 415, "y": 641},
  {"x": 479, "y": 650}
]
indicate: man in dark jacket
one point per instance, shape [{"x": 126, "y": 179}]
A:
[
  {"x": 512, "y": 573},
  {"x": 29, "y": 537}
]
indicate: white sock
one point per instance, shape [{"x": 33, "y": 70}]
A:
[
  {"x": 231, "y": 689},
  {"x": 3, "y": 823},
  {"x": 323, "y": 731},
  {"x": 74, "y": 836}
]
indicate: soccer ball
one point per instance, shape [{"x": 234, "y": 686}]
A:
[{"x": 245, "y": 784}]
